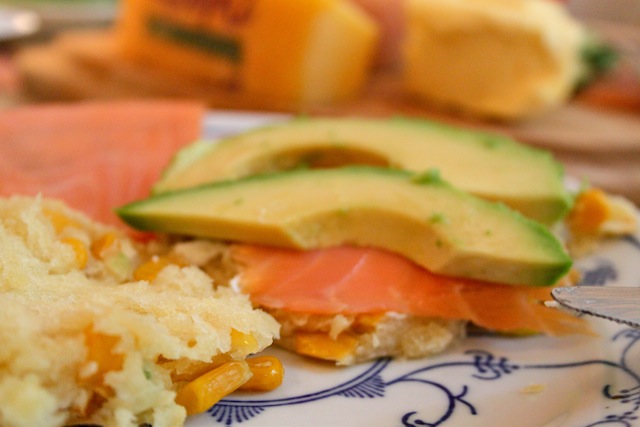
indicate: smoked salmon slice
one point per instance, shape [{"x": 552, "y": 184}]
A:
[
  {"x": 355, "y": 280},
  {"x": 93, "y": 155}
]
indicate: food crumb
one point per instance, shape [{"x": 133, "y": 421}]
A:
[{"x": 533, "y": 389}]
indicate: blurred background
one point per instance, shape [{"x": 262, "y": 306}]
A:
[{"x": 77, "y": 50}]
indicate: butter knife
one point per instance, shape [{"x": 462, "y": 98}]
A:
[{"x": 617, "y": 303}]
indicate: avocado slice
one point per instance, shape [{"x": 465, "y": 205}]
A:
[
  {"x": 419, "y": 216},
  {"x": 489, "y": 166}
]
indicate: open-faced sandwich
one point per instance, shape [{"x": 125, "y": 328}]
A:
[{"x": 435, "y": 229}]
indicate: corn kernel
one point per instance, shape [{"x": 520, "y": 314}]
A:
[
  {"x": 246, "y": 343},
  {"x": 591, "y": 210},
  {"x": 365, "y": 323},
  {"x": 60, "y": 221},
  {"x": 100, "y": 353},
  {"x": 268, "y": 374},
  {"x": 321, "y": 346},
  {"x": 183, "y": 371},
  {"x": 102, "y": 244},
  {"x": 206, "y": 390},
  {"x": 149, "y": 270},
  {"x": 79, "y": 249}
]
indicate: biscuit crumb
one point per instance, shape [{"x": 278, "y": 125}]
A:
[{"x": 533, "y": 389}]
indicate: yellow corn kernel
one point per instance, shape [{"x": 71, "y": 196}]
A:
[
  {"x": 102, "y": 244},
  {"x": 60, "y": 221},
  {"x": 322, "y": 346},
  {"x": 184, "y": 371},
  {"x": 100, "y": 353},
  {"x": 80, "y": 250},
  {"x": 268, "y": 373},
  {"x": 590, "y": 211},
  {"x": 365, "y": 323},
  {"x": 149, "y": 270},
  {"x": 206, "y": 390},
  {"x": 245, "y": 343}
]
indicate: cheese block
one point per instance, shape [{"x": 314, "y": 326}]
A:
[
  {"x": 504, "y": 59},
  {"x": 288, "y": 51}
]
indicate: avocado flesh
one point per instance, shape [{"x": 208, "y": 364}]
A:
[
  {"x": 489, "y": 166},
  {"x": 420, "y": 217}
]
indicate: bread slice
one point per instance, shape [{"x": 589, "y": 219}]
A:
[
  {"x": 87, "y": 64},
  {"x": 343, "y": 339},
  {"x": 350, "y": 339}
]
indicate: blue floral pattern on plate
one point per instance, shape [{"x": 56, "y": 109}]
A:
[
  {"x": 481, "y": 365},
  {"x": 468, "y": 373}
]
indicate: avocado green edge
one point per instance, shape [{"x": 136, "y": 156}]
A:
[
  {"x": 190, "y": 154},
  {"x": 428, "y": 178}
]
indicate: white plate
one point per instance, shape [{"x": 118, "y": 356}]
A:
[
  {"x": 17, "y": 23},
  {"x": 487, "y": 381}
]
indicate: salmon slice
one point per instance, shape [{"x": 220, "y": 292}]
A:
[
  {"x": 351, "y": 280},
  {"x": 95, "y": 155}
]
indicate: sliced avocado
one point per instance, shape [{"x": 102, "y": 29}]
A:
[
  {"x": 419, "y": 216},
  {"x": 489, "y": 166}
]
